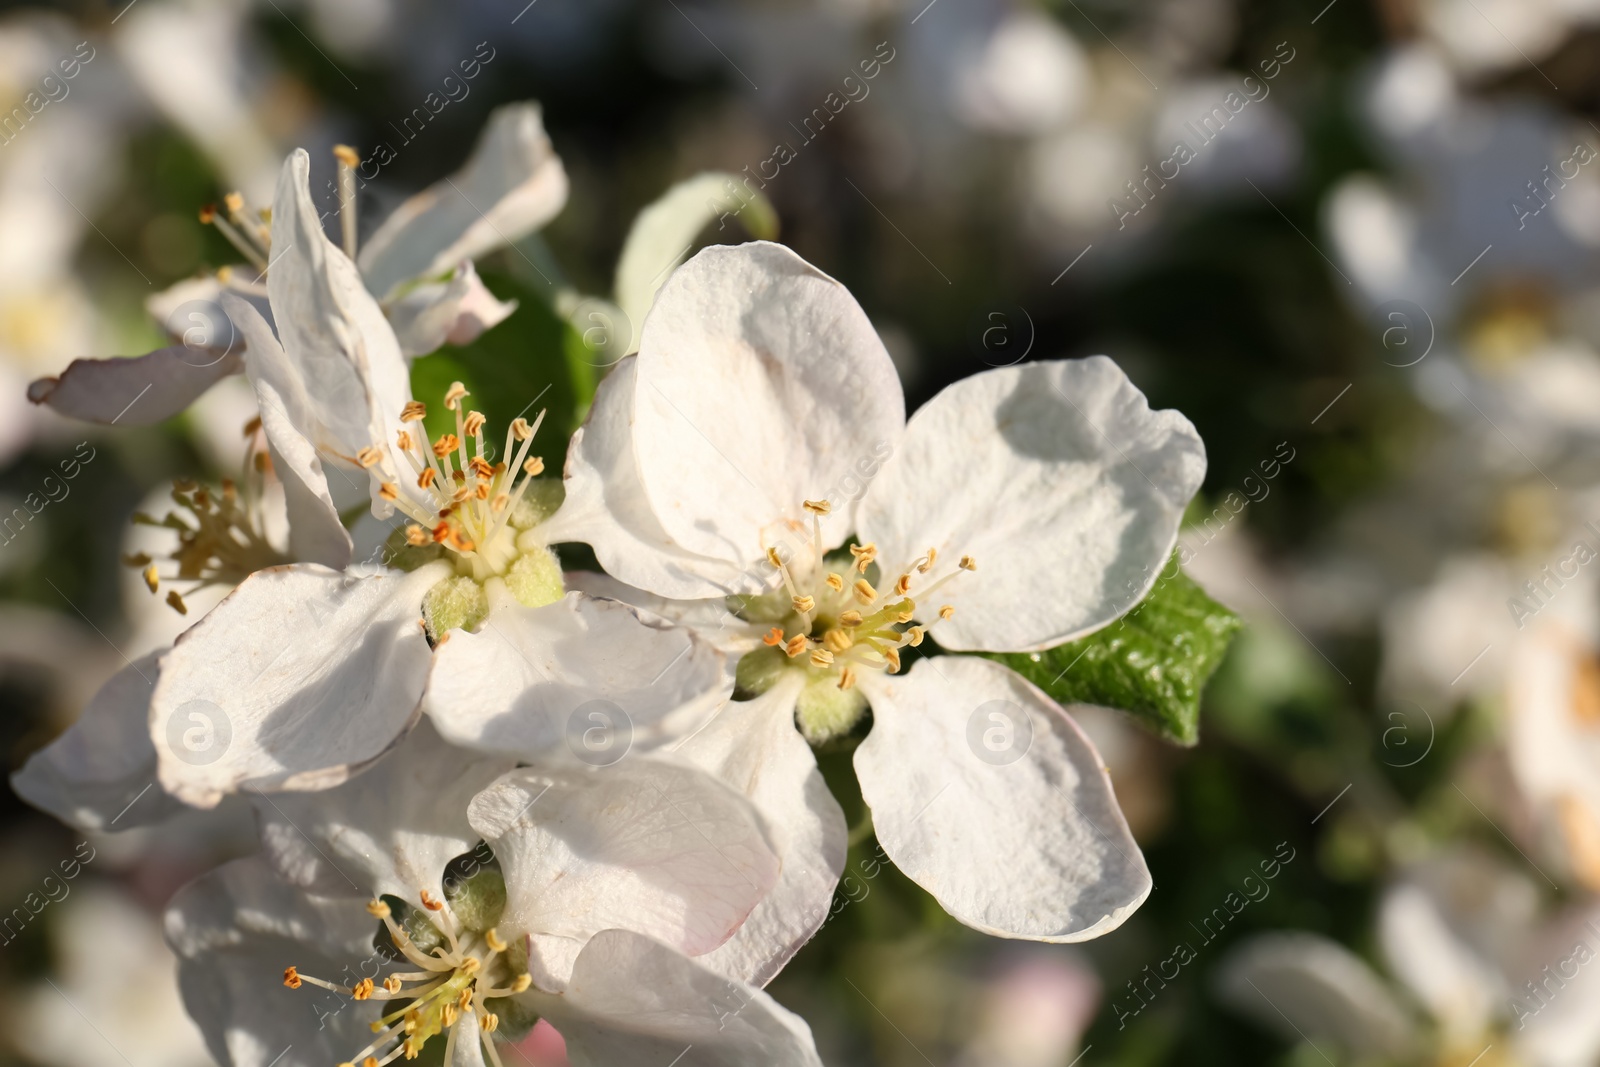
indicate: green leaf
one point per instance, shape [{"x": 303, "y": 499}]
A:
[
  {"x": 515, "y": 369},
  {"x": 1152, "y": 663}
]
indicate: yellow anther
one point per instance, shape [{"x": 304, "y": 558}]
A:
[
  {"x": 864, "y": 555},
  {"x": 136, "y": 559},
  {"x": 520, "y": 429},
  {"x": 914, "y": 636},
  {"x": 175, "y": 602},
  {"x": 946, "y": 611},
  {"x": 427, "y": 900},
  {"x": 821, "y": 657},
  {"x": 370, "y": 1061},
  {"x": 847, "y": 676},
  {"x": 470, "y": 964},
  {"x": 773, "y": 637},
  {"x": 346, "y": 155},
  {"x": 208, "y": 214},
  {"x": 835, "y": 582},
  {"x": 905, "y": 610},
  {"x": 362, "y": 990},
  {"x": 902, "y": 584},
  {"x": 837, "y": 640},
  {"x": 291, "y": 978},
  {"x": 448, "y": 1013},
  {"x": 151, "y": 578},
  {"x": 489, "y": 1022},
  {"x": 446, "y": 444},
  {"x": 850, "y": 618},
  {"x": 864, "y": 592},
  {"x": 481, "y": 467},
  {"x": 416, "y": 536},
  {"x": 796, "y": 645},
  {"x": 402, "y": 440},
  {"x": 370, "y": 456},
  {"x": 474, "y": 423},
  {"x": 426, "y": 478},
  {"x": 492, "y": 939},
  {"x": 414, "y": 411},
  {"x": 410, "y": 1048},
  {"x": 225, "y": 274},
  {"x": 803, "y": 604},
  {"x": 774, "y": 559},
  {"x": 500, "y": 502},
  {"x": 891, "y": 656},
  {"x": 926, "y": 564},
  {"x": 464, "y": 998},
  {"x": 388, "y": 491},
  {"x": 453, "y": 395},
  {"x": 534, "y": 467},
  {"x": 968, "y": 563},
  {"x": 392, "y": 984},
  {"x": 521, "y": 982},
  {"x": 234, "y": 203},
  {"x": 818, "y": 507},
  {"x": 377, "y": 909}
]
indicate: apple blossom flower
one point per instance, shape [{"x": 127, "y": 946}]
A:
[
  {"x": 587, "y": 894},
  {"x": 418, "y": 264},
  {"x": 759, "y": 426}
]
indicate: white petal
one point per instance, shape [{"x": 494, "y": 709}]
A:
[
  {"x": 581, "y": 677},
  {"x": 235, "y": 930},
  {"x": 513, "y": 184},
  {"x": 390, "y": 830},
  {"x": 1454, "y": 983},
  {"x": 348, "y": 380},
  {"x": 297, "y": 680},
  {"x": 709, "y": 618},
  {"x": 454, "y": 312},
  {"x": 1308, "y": 986},
  {"x": 316, "y": 535},
  {"x": 1088, "y": 482},
  {"x": 633, "y": 1000},
  {"x": 646, "y": 845},
  {"x": 101, "y": 773},
  {"x": 761, "y": 384},
  {"x": 663, "y": 233},
  {"x": 986, "y": 794},
  {"x": 605, "y": 505},
  {"x": 134, "y": 391},
  {"x": 753, "y": 746}
]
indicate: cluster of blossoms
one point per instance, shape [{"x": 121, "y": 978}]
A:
[{"x": 787, "y": 561}]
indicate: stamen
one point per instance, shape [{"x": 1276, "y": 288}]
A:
[
  {"x": 291, "y": 978},
  {"x": 453, "y": 395},
  {"x": 946, "y": 611},
  {"x": 968, "y": 563},
  {"x": 864, "y": 555},
  {"x": 247, "y": 248},
  {"x": 774, "y": 637},
  {"x": 175, "y": 602},
  {"x": 362, "y": 990},
  {"x": 446, "y": 444},
  {"x": 891, "y": 656},
  {"x": 847, "y": 676},
  {"x": 474, "y": 423},
  {"x": 925, "y": 564},
  {"x": 864, "y": 592},
  {"x": 902, "y": 584},
  {"x": 835, "y": 582},
  {"x": 796, "y": 645},
  {"x": 850, "y": 618},
  {"x": 416, "y": 536},
  {"x": 349, "y": 160},
  {"x": 804, "y": 604},
  {"x": 821, "y": 657},
  {"x": 492, "y": 938},
  {"x": 414, "y": 411},
  {"x": 152, "y": 578}
]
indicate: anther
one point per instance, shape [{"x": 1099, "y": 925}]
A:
[
  {"x": 864, "y": 555},
  {"x": 414, "y": 411},
  {"x": 774, "y": 559},
  {"x": 489, "y": 1022},
  {"x": 946, "y": 611},
  {"x": 453, "y": 395},
  {"x": 377, "y": 909},
  {"x": 803, "y": 604},
  {"x": 902, "y": 584},
  {"x": 402, "y": 440},
  {"x": 835, "y": 582},
  {"x": 362, "y": 990},
  {"x": 430, "y": 903},
  {"x": 818, "y": 507},
  {"x": 847, "y": 677},
  {"x": 891, "y": 656},
  {"x": 968, "y": 563},
  {"x": 474, "y": 423},
  {"x": 821, "y": 657},
  {"x": 864, "y": 592},
  {"x": 481, "y": 467},
  {"x": 521, "y": 983},
  {"x": 175, "y": 602},
  {"x": 151, "y": 578},
  {"x": 850, "y": 618},
  {"x": 392, "y": 984},
  {"x": 796, "y": 645},
  {"x": 837, "y": 640},
  {"x": 446, "y": 444},
  {"x": 388, "y": 491},
  {"x": 416, "y": 536},
  {"x": 914, "y": 636},
  {"x": 493, "y": 940},
  {"x": 774, "y": 637},
  {"x": 534, "y": 467},
  {"x": 426, "y": 478},
  {"x": 520, "y": 429},
  {"x": 291, "y": 978}
]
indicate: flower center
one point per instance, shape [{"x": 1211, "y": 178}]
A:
[
  {"x": 462, "y": 971},
  {"x": 466, "y": 501},
  {"x": 221, "y": 539},
  {"x": 833, "y": 623}
]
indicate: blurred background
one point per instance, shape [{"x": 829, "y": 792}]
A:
[{"x": 1356, "y": 242}]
